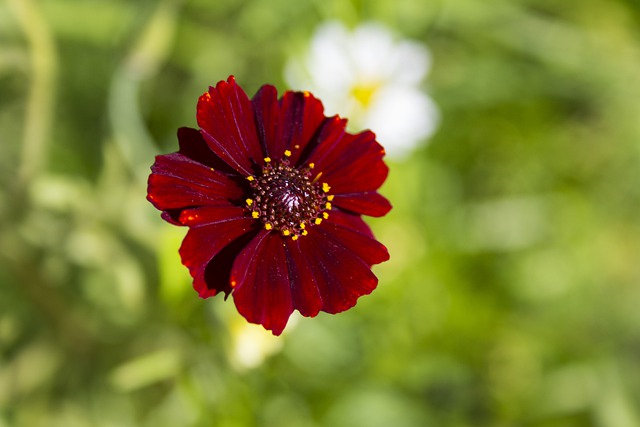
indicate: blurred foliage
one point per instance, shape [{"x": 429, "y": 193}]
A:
[{"x": 512, "y": 294}]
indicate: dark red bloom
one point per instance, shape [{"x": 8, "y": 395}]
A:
[{"x": 273, "y": 192}]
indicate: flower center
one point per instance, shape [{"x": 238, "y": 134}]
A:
[{"x": 287, "y": 199}]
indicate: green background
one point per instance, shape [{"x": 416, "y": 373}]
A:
[{"x": 511, "y": 297}]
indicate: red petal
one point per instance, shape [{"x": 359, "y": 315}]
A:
[
  {"x": 341, "y": 276},
  {"x": 203, "y": 243},
  {"x": 350, "y": 163},
  {"x": 268, "y": 119},
  {"x": 262, "y": 292},
  {"x": 194, "y": 146},
  {"x": 286, "y": 124},
  {"x": 302, "y": 115},
  {"x": 304, "y": 289},
  {"x": 350, "y": 220},
  {"x": 364, "y": 247},
  {"x": 177, "y": 182},
  {"x": 368, "y": 203},
  {"x": 227, "y": 123}
]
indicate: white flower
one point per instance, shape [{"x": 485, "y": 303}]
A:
[{"x": 371, "y": 79}]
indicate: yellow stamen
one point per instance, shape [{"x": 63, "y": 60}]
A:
[
  {"x": 249, "y": 202},
  {"x": 305, "y": 232},
  {"x": 325, "y": 215},
  {"x": 268, "y": 226},
  {"x": 255, "y": 214},
  {"x": 325, "y": 187},
  {"x": 302, "y": 226},
  {"x": 250, "y": 178},
  {"x": 330, "y": 197},
  {"x": 312, "y": 165},
  {"x": 318, "y": 221},
  {"x": 287, "y": 153},
  {"x": 285, "y": 232},
  {"x": 327, "y": 205},
  {"x": 294, "y": 237},
  {"x": 267, "y": 159}
]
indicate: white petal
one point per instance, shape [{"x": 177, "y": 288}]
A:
[{"x": 402, "y": 117}]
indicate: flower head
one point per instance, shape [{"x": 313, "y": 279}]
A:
[
  {"x": 273, "y": 193},
  {"x": 368, "y": 76}
]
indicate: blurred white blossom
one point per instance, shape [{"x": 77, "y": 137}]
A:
[{"x": 372, "y": 79}]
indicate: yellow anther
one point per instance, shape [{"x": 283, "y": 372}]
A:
[
  {"x": 302, "y": 225},
  {"x": 312, "y": 165},
  {"x": 267, "y": 159},
  {"x": 268, "y": 226},
  {"x": 305, "y": 232},
  {"x": 250, "y": 178},
  {"x": 255, "y": 214},
  {"x": 287, "y": 153},
  {"x": 249, "y": 202},
  {"x": 318, "y": 221},
  {"x": 325, "y": 187},
  {"x": 327, "y": 205},
  {"x": 294, "y": 237},
  {"x": 325, "y": 215},
  {"x": 285, "y": 232},
  {"x": 330, "y": 197}
]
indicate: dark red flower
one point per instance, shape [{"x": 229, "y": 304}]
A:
[{"x": 273, "y": 192}]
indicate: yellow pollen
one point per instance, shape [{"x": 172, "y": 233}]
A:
[
  {"x": 312, "y": 165},
  {"x": 250, "y": 178},
  {"x": 327, "y": 205},
  {"x": 287, "y": 153},
  {"x": 285, "y": 232},
  {"x": 267, "y": 159},
  {"x": 294, "y": 237},
  {"x": 212, "y": 169},
  {"x": 249, "y": 202},
  {"x": 318, "y": 221},
  {"x": 330, "y": 197},
  {"x": 268, "y": 226},
  {"x": 305, "y": 232},
  {"x": 325, "y": 215},
  {"x": 302, "y": 226},
  {"x": 233, "y": 283},
  {"x": 325, "y": 187},
  {"x": 297, "y": 147},
  {"x": 255, "y": 214}
]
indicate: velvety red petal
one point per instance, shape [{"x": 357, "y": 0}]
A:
[
  {"x": 193, "y": 145},
  {"x": 178, "y": 182},
  {"x": 304, "y": 289},
  {"x": 268, "y": 120},
  {"x": 260, "y": 277},
  {"x": 367, "y": 203},
  {"x": 340, "y": 275},
  {"x": 351, "y": 221},
  {"x": 227, "y": 123},
  {"x": 364, "y": 247},
  {"x": 286, "y": 124},
  {"x": 302, "y": 115},
  {"x": 350, "y": 163},
  {"x": 217, "y": 274},
  {"x": 204, "y": 242}
]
